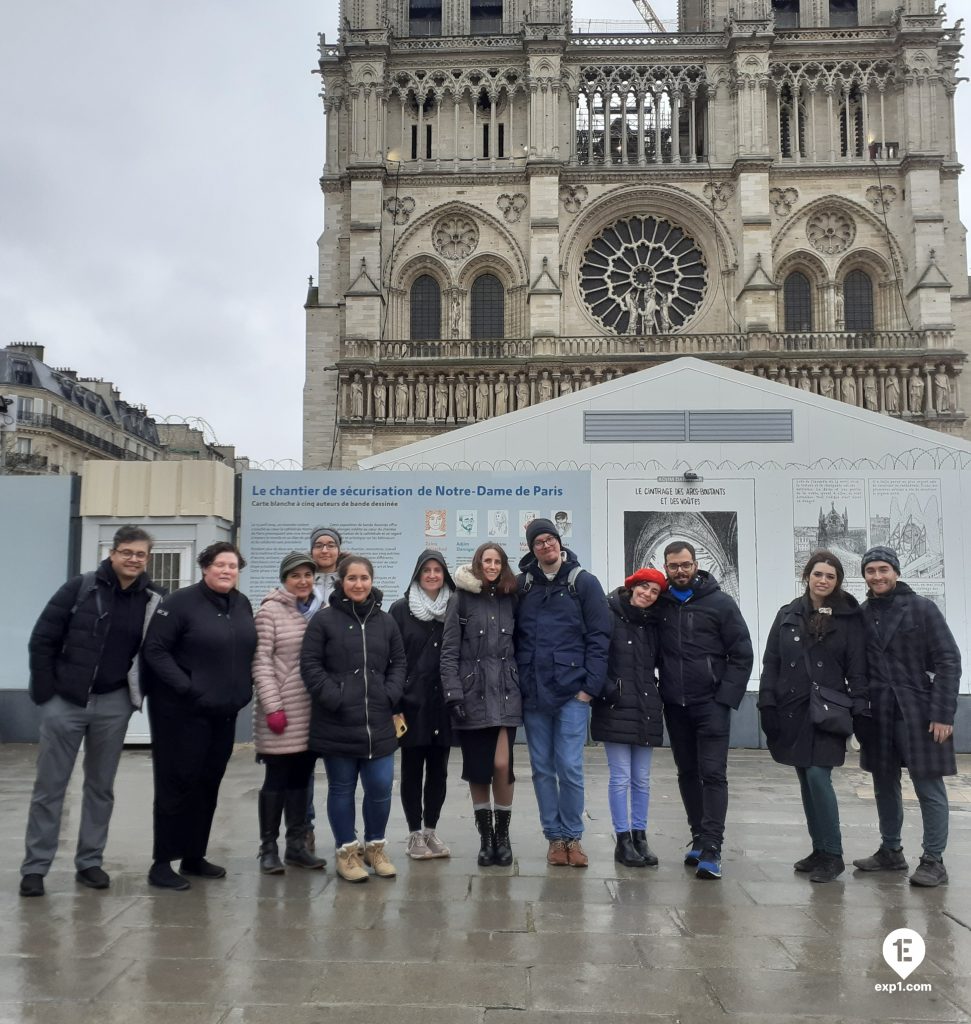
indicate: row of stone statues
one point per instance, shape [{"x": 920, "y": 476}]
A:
[
  {"x": 916, "y": 391},
  {"x": 463, "y": 397}
]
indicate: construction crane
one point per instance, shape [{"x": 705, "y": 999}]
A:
[{"x": 646, "y": 11}]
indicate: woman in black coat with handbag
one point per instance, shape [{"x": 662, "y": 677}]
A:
[
  {"x": 352, "y": 662},
  {"x": 814, "y": 683},
  {"x": 481, "y": 686},
  {"x": 420, "y": 616},
  {"x": 627, "y": 716}
]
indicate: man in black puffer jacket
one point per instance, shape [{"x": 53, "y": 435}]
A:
[
  {"x": 706, "y": 662},
  {"x": 84, "y": 676}
]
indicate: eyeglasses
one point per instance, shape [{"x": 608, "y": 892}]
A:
[
  {"x": 674, "y": 566},
  {"x": 325, "y": 547},
  {"x": 549, "y": 542},
  {"x": 132, "y": 556}
]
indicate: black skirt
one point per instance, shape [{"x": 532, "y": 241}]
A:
[{"x": 479, "y": 752}]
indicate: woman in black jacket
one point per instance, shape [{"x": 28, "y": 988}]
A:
[
  {"x": 816, "y": 640},
  {"x": 627, "y": 715},
  {"x": 198, "y": 657},
  {"x": 420, "y": 616},
  {"x": 353, "y": 664},
  {"x": 481, "y": 686}
]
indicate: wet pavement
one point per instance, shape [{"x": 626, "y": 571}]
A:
[{"x": 450, "y": 943}]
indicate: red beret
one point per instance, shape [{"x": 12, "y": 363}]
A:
[{"x": 647, "y": 576}]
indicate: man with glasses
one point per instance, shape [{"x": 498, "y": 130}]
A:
[
  {"x": 84, "y": 675},
  {"x": 705, "y": 665},
  {"x": 325, "y": 549},
  {"x": 563, "y": 630}
]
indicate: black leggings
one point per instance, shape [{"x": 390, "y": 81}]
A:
[
  {"x": 432, "y": 763},
  {"x": 287, "y": 771}
]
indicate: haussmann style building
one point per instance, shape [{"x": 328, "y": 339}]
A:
[{"x": 515, "y": 210}]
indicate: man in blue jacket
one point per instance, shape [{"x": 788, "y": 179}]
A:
[
  {"x": 562, "y": 636},
  {"x": 705, "y": 664}
]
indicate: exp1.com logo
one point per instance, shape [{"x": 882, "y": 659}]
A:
[{"x": 904, "y": 950}]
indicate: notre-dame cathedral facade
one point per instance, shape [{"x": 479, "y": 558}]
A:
[{"x": 514, "y": 210}]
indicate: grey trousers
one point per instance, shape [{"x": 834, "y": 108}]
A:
[{"x": 102, "y": 725}]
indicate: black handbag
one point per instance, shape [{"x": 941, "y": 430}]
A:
[{"x": 829, "y": 710}]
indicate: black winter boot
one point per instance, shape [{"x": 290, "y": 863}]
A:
[
  {"x": 271, "y": 814},
  {"x": 626, "y": 853},
  {"x": 487, "y": 846},
  {"x": 640, "y": 844},
  {"x": 503, "y": 848},
  {"x": 297, "y": 853}
]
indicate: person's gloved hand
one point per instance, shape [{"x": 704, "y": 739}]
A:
[
  {"x": 863, "y": 728},
  {"x": 277, "y": 721},
  {"x": 457, "y": 711},
  {"x": 770, "y": 722}
]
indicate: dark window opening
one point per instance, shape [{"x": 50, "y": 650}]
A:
[
  {"x": 414, "y": 142},
  {"x": 488, "y": 308},
  {"x": 798, "y": 301},
  {"x": 485, "y": 17},
  {"x": 485, "y": 141},
  {"x": 428, "y": 142},
  {"x": 501, "y": 141},
  {"x": 858, "y": 301},
  {"x": 424, "y": 17},
  {"x": 786, "y": 13},
  {"x": 843, "y": 14},
  {"x": 426, "y": 309}
]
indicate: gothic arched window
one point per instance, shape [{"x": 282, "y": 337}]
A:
[
  {"x": 424, "y": 17},
  {"x": 843, "y": 13},
  {"x": 797, "y": 298},
  {"x": 488, "y": 307},
  {"x": 426, "y": 309},
  {"x": 786, "y": 13},
  {"x": 858, "y": 301}
]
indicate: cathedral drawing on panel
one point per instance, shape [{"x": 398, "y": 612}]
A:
[{"x": 515, "y": 210}]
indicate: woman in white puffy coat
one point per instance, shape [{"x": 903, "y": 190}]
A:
[{"x": 281, "y": 714}]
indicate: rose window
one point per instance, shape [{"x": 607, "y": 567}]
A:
[
  {"x": 643, "y": 275},
  {"x": 455, "y": 237},
  {"x": 830, "y": 231}
]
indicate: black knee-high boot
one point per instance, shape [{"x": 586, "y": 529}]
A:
[
  {"x": 271, "y": 814},
  {"x": 297, "y": 853},
  {"x": 503, "y": 847}
]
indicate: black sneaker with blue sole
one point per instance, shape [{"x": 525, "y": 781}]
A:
[{"x": 709, "y": 864}]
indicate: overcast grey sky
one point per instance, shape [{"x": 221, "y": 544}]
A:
[{"x": 159, "y": 204}]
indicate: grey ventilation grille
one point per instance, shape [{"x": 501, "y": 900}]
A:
[{"x": 612, "y": 426}]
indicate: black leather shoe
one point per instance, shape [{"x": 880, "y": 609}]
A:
[
  {"x": 161, "y": 875},
  {"x": 93, "y": 878},
  {"x": 201, "y": 868},
  {"x": 32, "y": 885}
]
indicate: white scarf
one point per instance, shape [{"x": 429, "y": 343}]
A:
[{"x": 424, "y": 608}]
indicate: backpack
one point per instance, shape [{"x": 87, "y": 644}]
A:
[
  {"x": 89, "y": 583},
  {"x": 571, "y": 585}
]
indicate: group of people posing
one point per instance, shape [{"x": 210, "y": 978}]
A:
[{"x": 465, "y": 660}]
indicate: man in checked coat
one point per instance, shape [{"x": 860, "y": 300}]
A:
[{"x": 914, "y": 667}]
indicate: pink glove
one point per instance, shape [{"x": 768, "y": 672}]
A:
[{"x": 277, "y": 721}]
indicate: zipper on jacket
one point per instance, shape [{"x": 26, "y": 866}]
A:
[{"x": 367, "y": 714}]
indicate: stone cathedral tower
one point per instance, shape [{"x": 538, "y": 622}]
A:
[{"x": 515, "y": 210}]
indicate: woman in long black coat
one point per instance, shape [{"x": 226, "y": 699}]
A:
[
  {"x": 481, "y": 687},
  {"x": 817, "y": 639},
  {"x": 627, "y": 716},
  {"x": 420, "y": 616},
  {"x": 352, "y": 662}
]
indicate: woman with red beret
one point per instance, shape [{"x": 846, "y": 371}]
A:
[{"x": 627, "y": 716}]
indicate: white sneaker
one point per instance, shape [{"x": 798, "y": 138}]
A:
[
  {"x": 434, "y": 845},
  {"x": 417, "y": 847}
]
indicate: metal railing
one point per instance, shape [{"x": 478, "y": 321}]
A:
[{"x": 45, "y": 421}]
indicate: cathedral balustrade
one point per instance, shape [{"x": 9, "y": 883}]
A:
[{"x": 470, "y": 349}]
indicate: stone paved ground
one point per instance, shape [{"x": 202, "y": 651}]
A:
[{"x": 449, "y": 943}]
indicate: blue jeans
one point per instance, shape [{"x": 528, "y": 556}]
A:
[
  {"x": 630, "y": 784},
  {"x": 932, "y": 795},
  {"x": 822, "y": 810},
  {"x": 376, "y": 777},
  {"x": 555, "y": 740}
]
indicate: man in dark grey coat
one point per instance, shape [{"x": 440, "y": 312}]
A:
[{"x": 914, "y": 668}]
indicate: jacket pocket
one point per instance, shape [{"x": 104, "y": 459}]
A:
[{"x": 569, "y": 673}]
